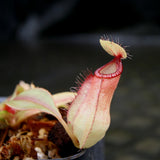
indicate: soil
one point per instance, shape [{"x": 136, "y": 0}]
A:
[{"x": 40, "y": 136}]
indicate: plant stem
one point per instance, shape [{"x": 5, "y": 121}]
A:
[{"x": 3, "y": 137}]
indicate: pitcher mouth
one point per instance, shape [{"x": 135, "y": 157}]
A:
[{"x": 111, "y": 69}]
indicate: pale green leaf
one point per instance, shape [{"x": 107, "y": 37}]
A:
[
  {"x": 34, "y": 101},
  {"x": 63, "y": 98}
]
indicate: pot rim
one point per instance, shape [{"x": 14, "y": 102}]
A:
[{"x": 77, "y": 155}]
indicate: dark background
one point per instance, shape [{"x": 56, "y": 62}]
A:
[
  {"x": 49, "y": 42},
  {"x": 28, "y": 19}
]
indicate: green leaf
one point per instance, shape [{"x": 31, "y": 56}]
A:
[
  {"x": 62, "y": 98},
  {"x": 38, "y": 99},
  {"x": 34, "y": 101},
  {"x": 3, "y": 119},
  {"x": 21, "y": 87}
]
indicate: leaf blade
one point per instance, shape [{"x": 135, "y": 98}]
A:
[{"x": 38, "y": 100}]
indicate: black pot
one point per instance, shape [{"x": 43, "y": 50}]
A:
[{"x": 94, "y": 153}]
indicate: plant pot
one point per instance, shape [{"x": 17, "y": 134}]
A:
[
  {"x": 79, "y": 156},
  {"x": 94, "y": 153}
]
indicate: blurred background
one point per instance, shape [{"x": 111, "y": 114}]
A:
[{"x": 49, "y": 42}]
